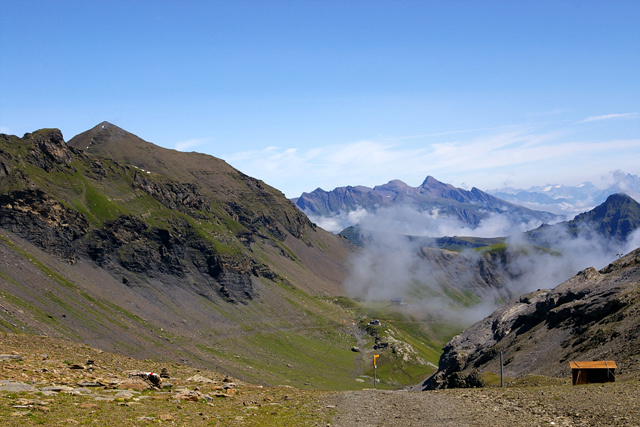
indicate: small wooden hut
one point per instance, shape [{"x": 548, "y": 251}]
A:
[{"x": 593, "y": 372}]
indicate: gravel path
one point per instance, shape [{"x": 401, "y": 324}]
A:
[
  {"x": 371, "y": 408},
  {"x": 590, "y": 406}
]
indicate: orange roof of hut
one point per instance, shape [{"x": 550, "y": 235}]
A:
[
  {"x": 593, "y": 372},
  {"x": 603, "y": 364}
]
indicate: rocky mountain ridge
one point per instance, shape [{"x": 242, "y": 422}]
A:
[{"x": 125, "y": 242}]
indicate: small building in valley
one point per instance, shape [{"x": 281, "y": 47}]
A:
[{"x": 593, "y": 372}]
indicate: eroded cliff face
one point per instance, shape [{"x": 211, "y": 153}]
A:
[
  {"x": 135, "y": 250},
  {"x": 41, "y": 219},
  {"x": 594, "y": 315}
]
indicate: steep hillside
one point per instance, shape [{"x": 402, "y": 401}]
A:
[
  {"x": 156, "y": 253},
  {"x": 593, "y": 316}
]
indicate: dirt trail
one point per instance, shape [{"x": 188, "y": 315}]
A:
[
  {"x": 371, "y": 408},
  {"x": 593, "y": 405},
  {"x": 360, "y": 343}
]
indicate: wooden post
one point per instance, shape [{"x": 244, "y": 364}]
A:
[
  {"x": 501, "y": 372},
  {"x": 375, "y": 386}
]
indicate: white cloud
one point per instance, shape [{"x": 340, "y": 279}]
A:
[
  {"x": 610, "y": 117},
  {"x": 484, "y": 160},
  {"x": 190, "y": 143}
]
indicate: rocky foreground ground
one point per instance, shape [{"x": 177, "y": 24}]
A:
[
  {"x": 53, "y": 382},
  {"x": 593, "y": 405}
]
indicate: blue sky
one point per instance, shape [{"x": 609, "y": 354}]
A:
[{"x": 306, "y": 94}]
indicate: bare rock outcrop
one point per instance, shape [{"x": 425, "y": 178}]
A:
[
  {"x": 48, "y": 148},
  {"x": 39, "y": 218}
]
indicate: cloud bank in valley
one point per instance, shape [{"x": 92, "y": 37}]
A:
[
  {"x": 412, "y": 222},
  {"x": 392, "y": 266}
]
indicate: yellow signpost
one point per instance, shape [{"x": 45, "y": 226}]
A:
[{"x": 375, "y": 367}]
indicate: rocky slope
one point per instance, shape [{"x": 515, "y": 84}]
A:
[
  {"x": 592, "y": 316},
  {"x": 45, "y": 381},
  {"x": 113, "y": 241}
]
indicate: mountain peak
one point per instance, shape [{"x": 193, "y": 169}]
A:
[
  {"x": 618, "y": 198},
  {"x": 108, "y": 127},
  {"x": 394, "y": 184},
  {"x": 397, "y": 183},
  {"x": 110, "y": 141},
  {"x": 106, "y": 123},
  {"x": 430, "y": 181},
  {"x": 614, "y": 202},
  {"x": 103, "y": 133}
]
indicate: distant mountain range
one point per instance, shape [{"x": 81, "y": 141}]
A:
[
  {"x": 433, "y": 196},
  {"x": 613, "y": 221},
  {"x": 568, "y": 200}
]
